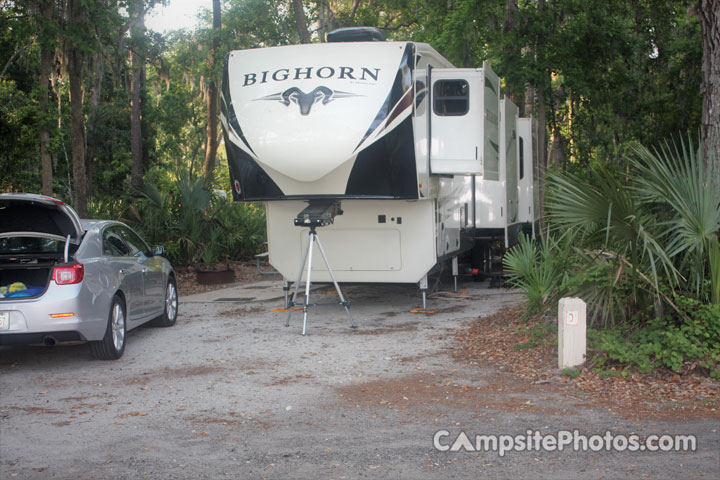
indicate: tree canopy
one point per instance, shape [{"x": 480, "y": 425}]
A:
[{"x": 600, "y": 76}]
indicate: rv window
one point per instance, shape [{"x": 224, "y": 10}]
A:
[
  {"x": 522, "y": 159},
  {"x": 451, "y": 97}
]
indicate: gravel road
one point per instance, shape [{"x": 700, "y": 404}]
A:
[{"x": 230, "y": 392}]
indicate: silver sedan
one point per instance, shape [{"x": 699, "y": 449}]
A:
[{"x": 65, "y": 279}]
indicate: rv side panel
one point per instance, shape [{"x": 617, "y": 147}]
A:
[{"x": 372, "y": 241}]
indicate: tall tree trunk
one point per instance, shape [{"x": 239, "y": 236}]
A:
[
  {"x": 211, "y": 142},
  {"x": 510, "y": 50},
  {"x": 98, "y": 67},
  {"x": 76, "y": 62},
  {"x": 47, "y": 55},
  {"x": 511, "y": 7},
  {"x": 356, "y": 5},
  {"x": 557, "y": 148},
  {"x": 137, "y": 31},
  {"x": 709, "y": 13},
  {"x": 542, "y": 135},
  {"x": 326, "y": 18},
  {"x": 322, "y": 21},
  {"x": 571, "y": 122},
  {"x": 300, "y": 21}
]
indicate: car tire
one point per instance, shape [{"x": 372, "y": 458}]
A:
[
  {"x": 112, "y": 346},
  {"x": 170, "y": 312}
]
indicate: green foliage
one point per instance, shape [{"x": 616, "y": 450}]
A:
[
  {"x": 540, "y": 269},
  {"x": 195, "y": 226},
  {"x": 664, "y": 343},
  {"x": 714, "y": 260},
  {"x": 525, "y": 346},
  {"x": 612, "y": 73},
  {"x": 672, "y": 186},
  {"x": 258, "y": 23},
  {"x": 611, "y": 290},
  {"x": 108, "y": 208},
  {"x": 642, "y": 235},
  {"x": 571, "y": 372},
  {"x": 541, "y": 334},
  {"x": 109, "y": 144},
  {"x": 607, "y": 217},
  {"x": 610, "y": 372},
  {"x": 621, "y": 72},
  {"x": 177, "y": 219},
  {"x": 644, "y": 257},
  {"x": 244, "y": 232},
  {"x": 17, "y": 139}
]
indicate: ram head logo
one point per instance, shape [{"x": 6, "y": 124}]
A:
[{"x": 306, "y": 100}]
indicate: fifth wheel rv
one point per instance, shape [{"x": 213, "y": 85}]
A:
[{"x": 417, "y": 160}]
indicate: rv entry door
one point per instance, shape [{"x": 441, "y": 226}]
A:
[{"x": 456, "y": 121}]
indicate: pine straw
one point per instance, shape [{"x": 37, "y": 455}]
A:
[{"x": 661, "y": 394}]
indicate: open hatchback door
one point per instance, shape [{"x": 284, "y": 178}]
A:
[{"x": 30, "y": 215}]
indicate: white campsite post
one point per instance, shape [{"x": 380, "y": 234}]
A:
[{"x": 571, "y": 332}]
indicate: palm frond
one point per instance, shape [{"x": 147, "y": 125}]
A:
[{"x": 671, "y": 182}]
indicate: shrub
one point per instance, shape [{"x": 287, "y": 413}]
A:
[
  {"x": 195, "y": 226},
  {"x": 540, "y": 269},
  {"x": 655, "y": 225},
  {"x": 667, "y": 342}
]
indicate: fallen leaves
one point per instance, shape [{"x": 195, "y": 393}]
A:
[
  {"x": 245, "y": 272},
  {"x": 493, "y": 341},
  {"x": 133, "y": 414}
]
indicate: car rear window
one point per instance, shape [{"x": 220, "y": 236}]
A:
[{"x": 30, "y": 245}]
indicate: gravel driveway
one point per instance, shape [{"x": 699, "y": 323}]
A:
[{"x": 229, "y": 392}]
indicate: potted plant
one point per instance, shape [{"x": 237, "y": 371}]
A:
[{"x": 214, "y": 268}]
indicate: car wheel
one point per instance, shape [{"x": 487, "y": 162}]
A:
[
  {"x": 112, "y": 346},
  {"x": 169, "y": 316}
]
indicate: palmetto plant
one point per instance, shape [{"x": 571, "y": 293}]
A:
[
  {"x": 671, "y": 184},
  {"x": 605, "y": 218},
  {"x": 195, "y": 226},
  {"x": 245, "y": 222},
  {"x": 657, "y": 224},
  {"x": 151, "y": 215},
  {"x": 541, "y": 269},
  {"x": 101, "y": 208},
  {"x": 714, "y": 259},
  {"x": 606, "y": 215}
]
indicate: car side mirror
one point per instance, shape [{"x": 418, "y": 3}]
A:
[{"x": 158, "y": 250}]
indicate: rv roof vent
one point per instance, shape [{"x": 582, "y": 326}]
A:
[{"x": 356, "y": 34}]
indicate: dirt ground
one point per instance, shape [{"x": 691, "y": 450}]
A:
[
  {"x": 245, "y": 272},
  {"x": 230, "y": 392}
]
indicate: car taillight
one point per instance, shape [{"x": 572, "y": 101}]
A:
[{"x": 68, "y": 275}]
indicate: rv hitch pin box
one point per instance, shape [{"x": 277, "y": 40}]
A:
[{"x": 319, "y": 213}]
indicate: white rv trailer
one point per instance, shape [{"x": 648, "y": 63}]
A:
[{"x": 425, "y": 159}]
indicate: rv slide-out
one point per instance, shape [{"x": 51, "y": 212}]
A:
[{"x": 426, "y": 160}]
